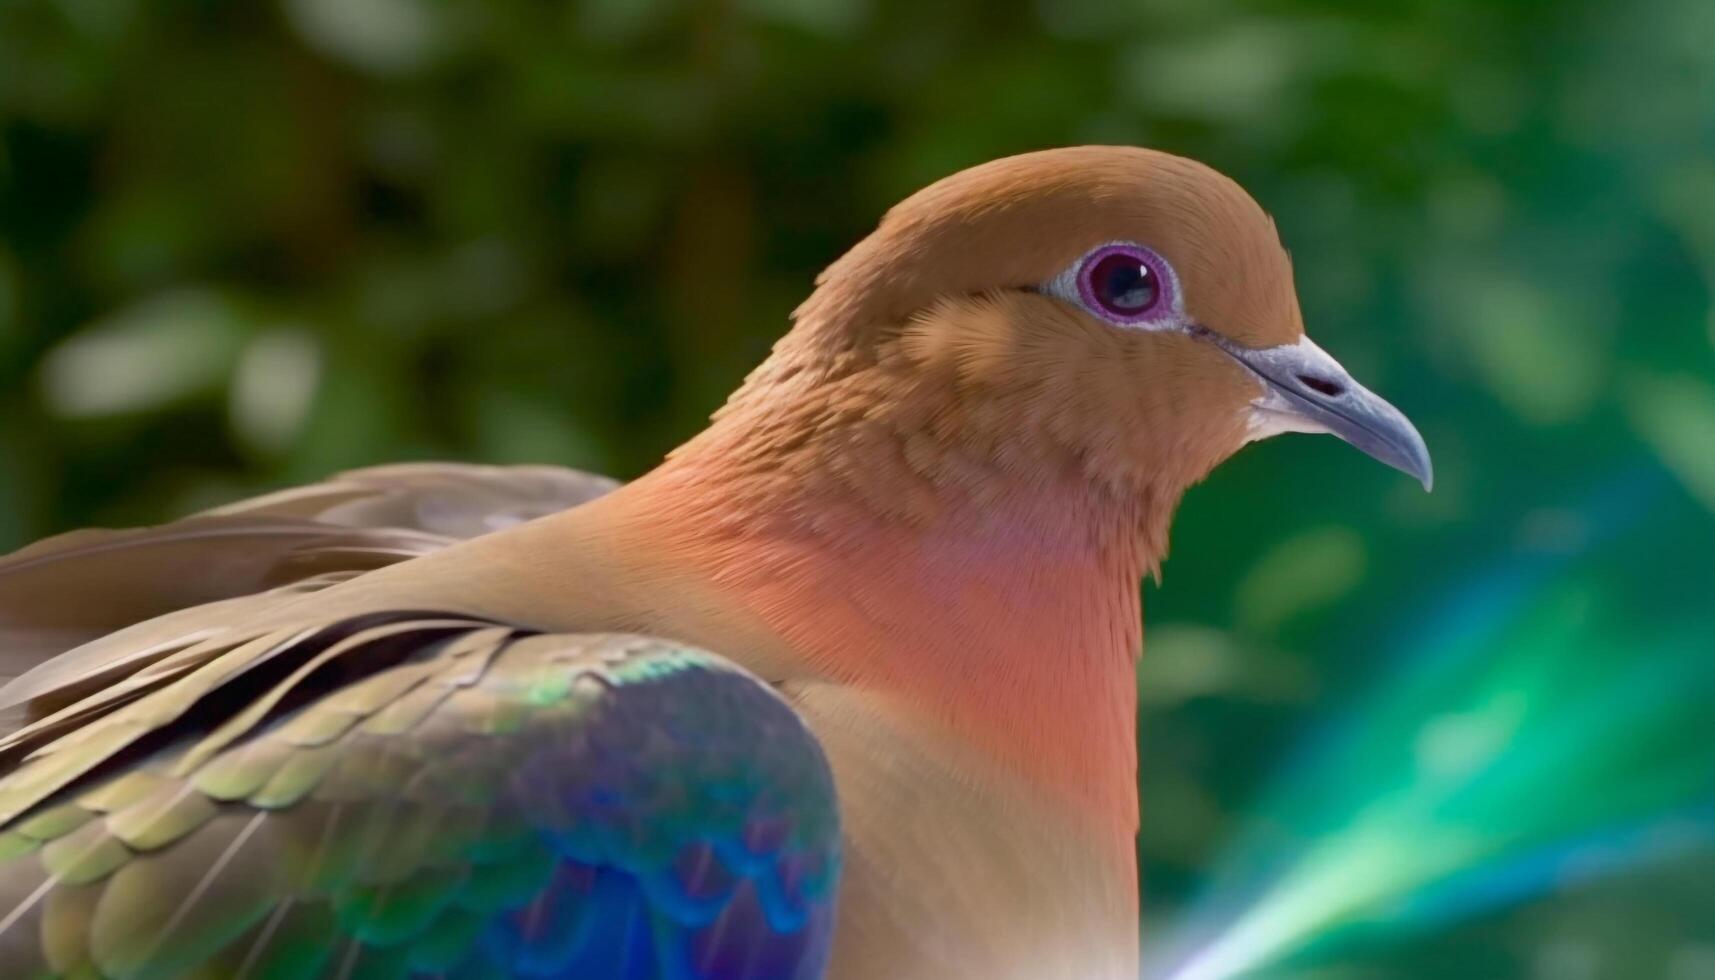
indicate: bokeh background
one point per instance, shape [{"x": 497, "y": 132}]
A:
[{"x": 1390, "y": 735}]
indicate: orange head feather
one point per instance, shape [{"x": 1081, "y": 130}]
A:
[
  {"x": 1015, "y": 223},
  {"x": 963, "y": 347}
]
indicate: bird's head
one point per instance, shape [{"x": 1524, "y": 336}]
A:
[{"x": 1132, "y": 307}]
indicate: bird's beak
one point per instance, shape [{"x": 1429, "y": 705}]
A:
[{"x": 1305, "y": 390}]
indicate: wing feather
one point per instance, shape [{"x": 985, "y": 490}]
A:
[
  {"x": 454, "y": 500},
  {"x": 427, "y": 795},
  {"x": 78, "y": 589},
  {"x": 214, "y": 780}
]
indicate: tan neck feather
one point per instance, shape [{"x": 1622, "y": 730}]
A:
[{"x": 975, "y": 399}]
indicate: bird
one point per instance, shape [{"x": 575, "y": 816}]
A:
[{"x": 844, "y": 687}]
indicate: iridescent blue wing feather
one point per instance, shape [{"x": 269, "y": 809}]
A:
[{"x": 426, "y": 796}]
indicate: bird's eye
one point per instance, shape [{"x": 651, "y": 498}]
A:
[{"x": 1123, "y": 283}]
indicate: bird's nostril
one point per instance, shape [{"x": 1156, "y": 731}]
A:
[{"x": 1330, "y": 388}]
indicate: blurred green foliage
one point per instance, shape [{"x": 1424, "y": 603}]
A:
[{"x": 245, "y": 244}]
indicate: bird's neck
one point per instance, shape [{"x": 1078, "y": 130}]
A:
[{"x": 998, "y": 600}]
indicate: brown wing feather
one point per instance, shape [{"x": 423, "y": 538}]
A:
[
  {"x": 451, "y": 499},
  {"x": 69, "y": 589},
  {"x": 80, "y": 609}
]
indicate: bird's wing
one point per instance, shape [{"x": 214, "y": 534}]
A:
[
  {"x": 416, "y": 794},
  {"x": 73, "y": 590},
  {"x": 454, "y": 500}
]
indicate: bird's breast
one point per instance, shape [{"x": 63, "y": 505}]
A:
[{"x": 955, "y": 867}]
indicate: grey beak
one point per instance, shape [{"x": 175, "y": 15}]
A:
[{"x": 1305, "y": 390}]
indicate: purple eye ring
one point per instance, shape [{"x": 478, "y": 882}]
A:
[{"x": 1123, "y": 283}]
